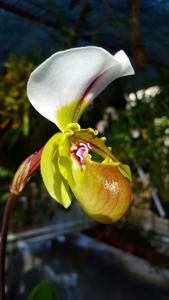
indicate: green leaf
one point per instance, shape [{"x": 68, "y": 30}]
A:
[
  {"x": 52, "y": 178},
  {"x": 43, "y": 291},
  {"x": 4, "y": 197},
  {"x": 5, "y": 172}
]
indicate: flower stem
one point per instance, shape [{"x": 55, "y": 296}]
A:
[
  {"x": 4, "y": 231},
  {"x": 21, "y": 178}
]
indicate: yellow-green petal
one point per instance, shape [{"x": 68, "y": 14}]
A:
[
  {"x": 64, "y": 158},
  {"x": 55, "y": 183}
]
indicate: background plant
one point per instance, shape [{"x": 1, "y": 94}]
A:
[{"x": 141, "y": 134}]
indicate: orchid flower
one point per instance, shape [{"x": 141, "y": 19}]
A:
[{"x": 60, "y": 89}]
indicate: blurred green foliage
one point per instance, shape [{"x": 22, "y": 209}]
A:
[
  {"x": 23, "y": 131},
  {"x": 19, "y": 135},
  {"x": 140, "y": 134},
  {"x": 14, "y": 107}
]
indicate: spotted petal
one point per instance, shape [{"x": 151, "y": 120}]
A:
[{"x": 62, "y": 86}]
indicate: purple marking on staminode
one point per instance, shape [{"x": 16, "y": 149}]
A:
[{"x": 79, "y": 152}]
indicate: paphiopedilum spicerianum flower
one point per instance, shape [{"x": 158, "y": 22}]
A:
[{"x": 60, "y": 89}]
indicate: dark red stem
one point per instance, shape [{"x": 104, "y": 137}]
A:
[
  {"x": 22, "y": 176},
  {"x": 4, "y": 232}
]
